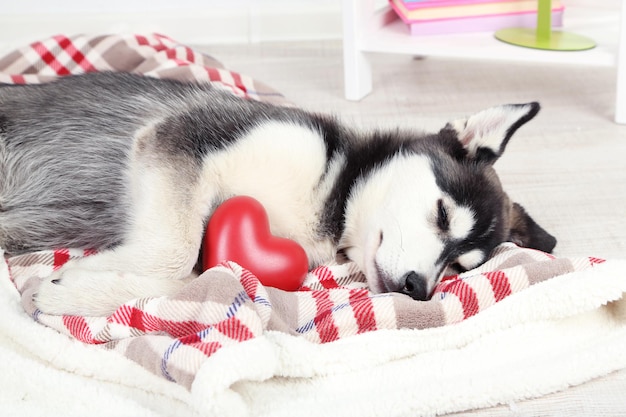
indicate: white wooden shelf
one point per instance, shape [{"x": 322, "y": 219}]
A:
[{"x": 371, "y": 29}]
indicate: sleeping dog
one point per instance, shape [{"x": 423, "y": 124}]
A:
[{"x": 133, "y": 167}]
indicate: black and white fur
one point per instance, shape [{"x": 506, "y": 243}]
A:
[{"x": 134, "y": 167}]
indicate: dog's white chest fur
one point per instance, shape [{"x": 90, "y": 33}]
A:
[{"x": 284, "y": 167}]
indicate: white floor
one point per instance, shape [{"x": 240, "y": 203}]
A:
[{"x": 567, "y": 167}]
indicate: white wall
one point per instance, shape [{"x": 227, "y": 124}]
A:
[
  {"x": 188, "y": 21},
  {"x": 95, "y": 6}
]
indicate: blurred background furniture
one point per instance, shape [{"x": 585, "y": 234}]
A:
[{"x": 371, "y": 28}]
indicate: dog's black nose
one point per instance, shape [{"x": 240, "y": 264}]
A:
[{"x": 415, "y": 286}]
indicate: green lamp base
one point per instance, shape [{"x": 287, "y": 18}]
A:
[{"x": 555, "y": 41}]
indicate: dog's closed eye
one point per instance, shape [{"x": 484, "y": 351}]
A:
[
  {"x": 457, "y": 267},
  {"x": 443, "y": 221}
]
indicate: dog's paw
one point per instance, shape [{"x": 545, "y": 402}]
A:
[{"x": 75, "y": 291}]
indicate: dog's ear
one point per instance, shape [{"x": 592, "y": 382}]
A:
[
  {"x": 525, "y": 232},
  {"x": 485, "y": 134}
]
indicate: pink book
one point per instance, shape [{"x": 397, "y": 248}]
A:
[
  {"x": 474, "y": 9},
  {"x": 420, "y": 4},
  {"x": 481, "y": 23}
]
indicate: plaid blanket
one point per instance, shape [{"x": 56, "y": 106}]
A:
[
  {"x": 152, "y": 55},
  {"x": 226, "y": 306}
]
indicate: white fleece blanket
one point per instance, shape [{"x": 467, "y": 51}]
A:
[{"x": 554, "y": 334}]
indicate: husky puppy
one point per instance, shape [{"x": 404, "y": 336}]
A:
[{"x": 134, "y": 166}]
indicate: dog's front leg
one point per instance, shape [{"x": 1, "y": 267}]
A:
[
  {"x": 85, "y": 292},
  {"x": 155, "y": 259},
  {"x": 100, "y": 283}
]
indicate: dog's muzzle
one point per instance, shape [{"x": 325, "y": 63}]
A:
[{"x": 415, "y": 286}]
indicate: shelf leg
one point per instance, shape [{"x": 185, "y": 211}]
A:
[
  {"x": 620, "y": 101},
  {"x": 357, "y": 72},
  {"x": 357, "y": 75}
]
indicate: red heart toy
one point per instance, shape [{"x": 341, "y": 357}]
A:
[{"x": 239, "y": 231}]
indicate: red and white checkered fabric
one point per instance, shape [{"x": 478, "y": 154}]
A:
[
  {"x": 151, "y": 55},
  {"x": 227, "y": 305}
]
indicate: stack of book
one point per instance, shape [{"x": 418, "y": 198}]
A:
[{"x": 433, "y": 17}]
